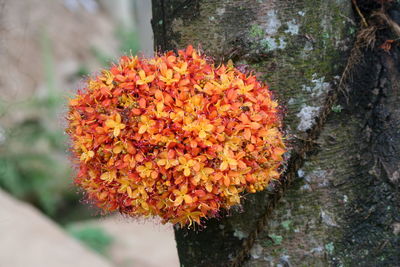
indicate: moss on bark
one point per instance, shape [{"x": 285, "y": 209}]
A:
[{"x": 345, "y": 208}]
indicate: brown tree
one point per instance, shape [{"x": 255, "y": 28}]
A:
[{"x": 334, "y": 66}]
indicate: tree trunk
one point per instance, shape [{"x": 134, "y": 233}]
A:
[{"x": 341, "y": 202}]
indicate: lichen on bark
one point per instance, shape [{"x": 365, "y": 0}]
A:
[{"x": 283, "y": 42}]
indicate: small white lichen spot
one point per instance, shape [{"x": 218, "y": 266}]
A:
[
  {"x": 220, "y": 11},
  {"x": 301, "y": 13},
  {"x": 273, "y": 44},
  {"x": 306, "y": 188},
  {"x": 327, "y": 219},
  {"x": 300, "y": 173},
  {"x": 240, "y": 234},
  {"x": 307, "y": 116},
  {"x": 273, "y": 23},
  {"x": 317, "y": 250},
  {"x": 293, "y": 27},
  {"x": 256, "y": 251},
  {"x": 320, "y": 86}
]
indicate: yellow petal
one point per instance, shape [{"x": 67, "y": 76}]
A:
[
  {"x": 117, "y": 149},
  {"x": 169, "y": 74},
  {"x": 182, "y": 160},
  {"x": 186, "y": 172},
  {"x": 129, "y": 191},
  {"x": 142, "y": 74},
  {"x": 110, "y": 123},
  {"x": 118, "y": 118},
  {"x": 209, "y": 187},
  {"x": 224, "y": 166},
  {"x": 178, "y": 201},
  {"x": 160, "y": 106},
  {"x": 209, "y": 127},
  {"x": 144, "y": 205},
  {"x": 208, "y": 170},
  {"x": 202, "y": 134},
  {"x": 232, "y": 162},
  {"x": 150, "y": 78},
  {"x": 142, "y": 129},
  {"x": 105, "y": 176},
  {"x": 188, "y": 199},
  {"x": 116, "y": 131}
]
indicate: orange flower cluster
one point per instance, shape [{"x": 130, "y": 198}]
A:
[{"x": 174, "y": 136}]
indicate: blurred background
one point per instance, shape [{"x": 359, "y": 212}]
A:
[{"x": 47, "y": 47}]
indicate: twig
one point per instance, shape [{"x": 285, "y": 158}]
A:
[{"x": 363, "y": 20}]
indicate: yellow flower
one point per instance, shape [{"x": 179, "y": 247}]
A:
[
  {"x": 125, "y": 187},
  {"x": 202, "y": 126},
  {"x": 244, "y": 89},
  {"x": 107, "y": 77},
  {"x": 180, "y": 196},
  {"x": 86, "y": 155},
  {"x": 144, "y": 79},
  {"x": 225, "y": 82},
  {"x": 109, "y": 176},
  {"x": 185, "y": 165},
  {"x": 116, "y": 124},
  {"x": 183, "y": 69},
  {"x": 167, "y": 75},
  {"x": 228, "y": 160},
  {"x": 233, "y": 195},
  {"x": 233, "y": 143},
  {"x": 118, "y": 149},
  {"x": 145, "y": 124},
  {"x": 127, "y": 101},
  {"x": 203, "y": 175},
  {"x": 147, "y": 170},
  {"x": 222, "y": 109},
  {"x": 177, "y": 116},
  {"x": 195, "y": 103},
  {"x": 159, "y": 112},
  {"x": 166, "y": 161}
]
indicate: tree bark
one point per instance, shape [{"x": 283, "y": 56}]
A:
[{"x": 342, "y": 207}]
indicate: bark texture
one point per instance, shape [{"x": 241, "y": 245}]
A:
[{"x": 343, "y": 209}]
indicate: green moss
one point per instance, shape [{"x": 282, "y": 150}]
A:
[
  {"x": 312, "y": 53},
  {"x": 286, "y": 224},
  {"x": 329, "y": 248},
  {"x": 256, "y": 31},
  {"x": 277, "y": 239}
]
